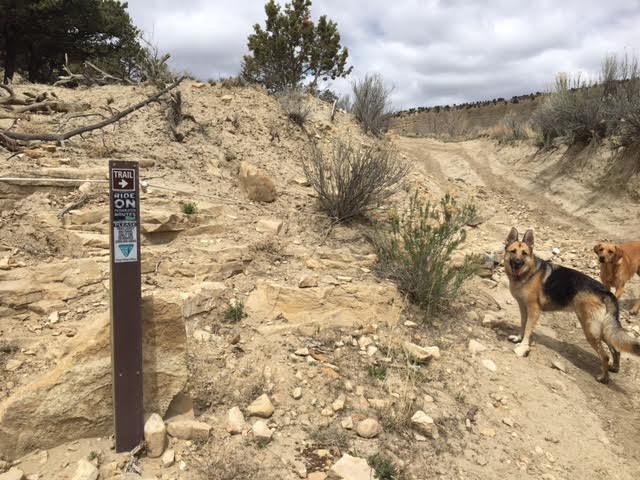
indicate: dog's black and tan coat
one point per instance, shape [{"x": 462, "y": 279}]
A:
[{"x": 540, "y": 286}]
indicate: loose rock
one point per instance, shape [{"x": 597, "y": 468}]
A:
[
  {"x": 369, "y": 428},
  {"x": 423, "y": 423},
  {"x": 308, "y": 281},
  {"x": 261, "y": 431},
  {"x": 297, "y": 393},
  {"x": 235, "y": 421},
  {"x": 155, "y": 434},
  {"x": 351, "y": 468},
  {"x": 188, "y": 429},
  {"x": 489, "y": 365},
  {"x": 85, "y": 471},
  {"x": 13, "y": 474},
  {"x": 338, "y": 404},
  {"x": 421, "y": 354},
  {"x": 261, "y": 407},
  {"x": 269, "y": 225},
  {"x": 476, "y": 347},
  {"x": 13, "y": 364},
  {"x": 168, "y": 458},
  {"x": 559, "y": 365}
]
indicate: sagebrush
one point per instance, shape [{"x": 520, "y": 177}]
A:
[
  {"x": 353, "y": 179},
  {"x": 371, "y": 104},
  {"x": 510, "y": 129},
  {"x": 575, "y": 111},
  {"x": 579, "y": 111},
  {"x": 414, "y": 250}
]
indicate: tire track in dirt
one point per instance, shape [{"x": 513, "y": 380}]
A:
[{"x": 512, "y": 187}]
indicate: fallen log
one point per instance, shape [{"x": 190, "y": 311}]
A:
[{"x": 61, "y": 137}]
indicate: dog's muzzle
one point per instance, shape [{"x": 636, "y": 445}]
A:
[
  {"x": 602, "y": 259},
  {"x": 516, "y": 265}
]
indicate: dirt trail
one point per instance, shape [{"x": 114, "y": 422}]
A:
[{"x": 600, "y": 423}]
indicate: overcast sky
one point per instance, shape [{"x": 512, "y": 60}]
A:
[{"x": 432, "y": 52}]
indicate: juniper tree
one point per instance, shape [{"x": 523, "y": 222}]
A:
[{"x": 292, "y": 49}]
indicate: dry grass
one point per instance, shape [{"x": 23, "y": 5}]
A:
[
  {"x": 332, "y": 436},
  {"x": 296, "y": 105},
  {"x": 231, "y": 464},
  {"x": 511, "y": 129}
]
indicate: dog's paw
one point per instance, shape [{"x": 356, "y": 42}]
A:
[
  {"x": 614, "y": 368},
  {"x": 522, "y": 350},
  {"x": 515, "y": 338},
  {"x": 634, "y": 311},
  {"x": 603, "y": 378}
]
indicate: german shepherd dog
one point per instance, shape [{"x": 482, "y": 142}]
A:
[{"x": 539, "y": 285}]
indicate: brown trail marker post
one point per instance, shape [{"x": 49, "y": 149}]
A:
[{"x": 126, "y": 304}]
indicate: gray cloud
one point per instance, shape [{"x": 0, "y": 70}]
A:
[{"x": 431, "y": 51}]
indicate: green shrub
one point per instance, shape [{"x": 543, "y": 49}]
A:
[
  {"x": 353, "y": 180},
  {"x": 384, "y": 467},
  {"x": 235, "y": 311},
  {"x": 377, "y": 371},
  {"x": 415, "y": 249},
  {"x": 189, "y": 208}
]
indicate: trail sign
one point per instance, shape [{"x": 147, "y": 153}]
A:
[{"x": 126, "y": 304}]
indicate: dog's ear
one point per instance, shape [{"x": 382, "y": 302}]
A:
[
  {"x": 617, "y": 255},
  {"x": 597, "y": 247},
  {"x": 528, "y": 238},
  {"x": 512, "y": 237}
]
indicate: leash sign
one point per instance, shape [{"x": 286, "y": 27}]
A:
[{"x": 126, "y": 304}]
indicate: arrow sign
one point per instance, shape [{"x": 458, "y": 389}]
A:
[{"x": 123, "y": 179}]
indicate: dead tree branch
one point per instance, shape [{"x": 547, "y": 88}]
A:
[
  {"x": 61, "y": 137},
  {"x": 88, "y": 76},
  {"x": 333, "y": 109},
  {"x": 175, "y": 116}
]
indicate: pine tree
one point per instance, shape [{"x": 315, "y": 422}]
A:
[{"x": 291, "y": 48}]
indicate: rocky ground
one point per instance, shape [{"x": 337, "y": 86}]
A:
[{"x": 330, "y": 366}]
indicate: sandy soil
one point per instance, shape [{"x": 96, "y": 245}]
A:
[{"x": 525, "y": 420}]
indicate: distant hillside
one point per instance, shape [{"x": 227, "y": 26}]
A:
[{"x": 424, "y": 121}]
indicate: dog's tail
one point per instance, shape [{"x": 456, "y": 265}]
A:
[{"x": 613, "y": 333}]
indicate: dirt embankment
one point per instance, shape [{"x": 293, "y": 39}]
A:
[{"x": 323, "y": 336}]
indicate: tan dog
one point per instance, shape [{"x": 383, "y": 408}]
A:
[
  {"x": 540, "y": 286},
  {"x": 618, "y": 263}
]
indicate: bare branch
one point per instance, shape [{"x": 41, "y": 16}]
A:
[{"x": 61, "y": 137}]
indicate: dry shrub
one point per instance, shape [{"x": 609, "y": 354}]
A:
[
  {"x": 371, "y": 104},
  {"x": 621, "y": 82},
  {"x": 414, "y": 250},
  {"x": 233, "y": 82},
  {"x": 231, "y": 464},
  {"x": 448, "y": 124},
  {"x": 331, "y": 436},
  {"x": 509, "y": 130},
  {"x": 344, "y": 103},
  {"x": 575, "y": 110},
  {"x": 353, "y": 180},
  {"x": 295, "y": 104}
]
